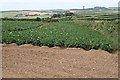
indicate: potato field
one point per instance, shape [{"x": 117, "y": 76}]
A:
[{"x": 63, "y": 34}]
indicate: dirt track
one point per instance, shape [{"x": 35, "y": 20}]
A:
[{"x": 29, "y": 61}]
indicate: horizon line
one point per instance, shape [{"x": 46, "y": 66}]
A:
[{"x": 53, "y": 8}]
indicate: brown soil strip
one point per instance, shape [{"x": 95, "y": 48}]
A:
[{"x": 28, "y": 61}]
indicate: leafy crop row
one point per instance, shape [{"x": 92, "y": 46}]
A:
[
  {"x": 107, "y": 28},
  {"x": 19, "y": 25},
  {"x": 65, "y": 34}
]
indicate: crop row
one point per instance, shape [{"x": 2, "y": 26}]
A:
[
  {"x": 65, "y": 34},
  {"x": 107, "y": 28},
  {"x": 19, "y": 25}
]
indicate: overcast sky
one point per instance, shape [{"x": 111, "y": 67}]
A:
[{"x": 54, "y": 4}]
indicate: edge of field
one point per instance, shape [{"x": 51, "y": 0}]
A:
[{"x": 55, "y": 47}]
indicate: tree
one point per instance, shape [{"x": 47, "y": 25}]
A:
[
  {"x": 38, "y": 19},
  {"x": 69, "y": 14},
  {"x": 56, "y": 16}
]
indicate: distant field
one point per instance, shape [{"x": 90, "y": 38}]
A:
[
  {"x": 88, "y": 12},
  {"x": 33, "y": 17},
  {"x": 13, "y": 14},
  {"x": 97, "y": 16}
]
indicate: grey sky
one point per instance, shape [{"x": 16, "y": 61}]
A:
[{"x": 54, "y": 4}]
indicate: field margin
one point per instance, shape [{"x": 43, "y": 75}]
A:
[{"x": 0, "y": 47}]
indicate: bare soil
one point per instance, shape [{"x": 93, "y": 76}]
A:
[{"x": 28, "y": 61}]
